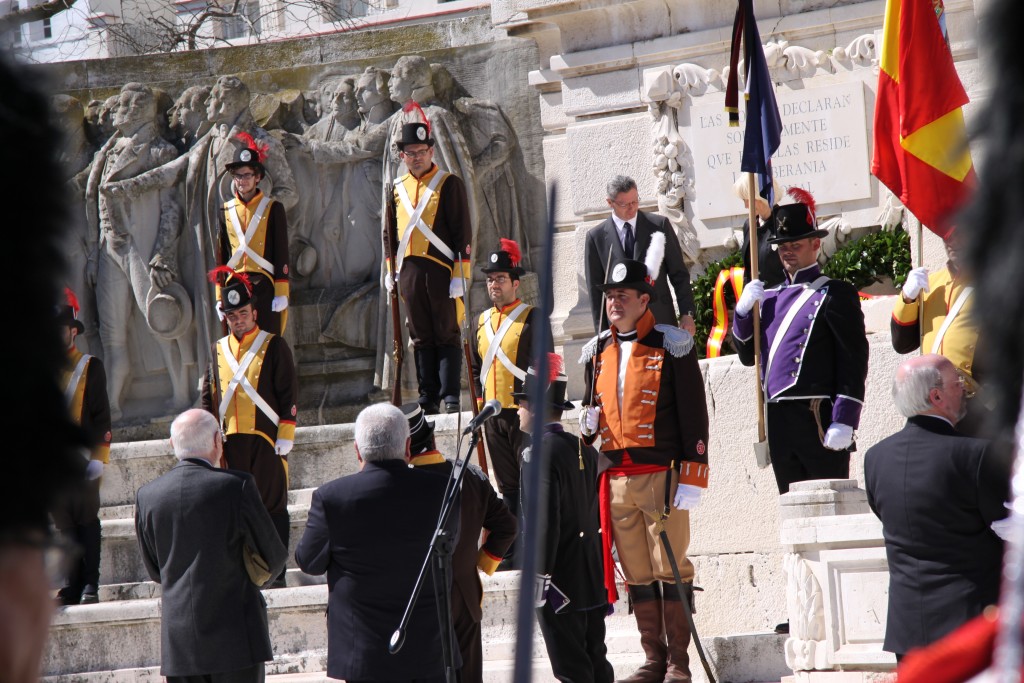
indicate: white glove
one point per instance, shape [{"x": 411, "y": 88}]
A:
[
  {"x": 687, "y": 496},
  {"x": 279, "y": 304},
  {"x": 455, "y": 288},
  {"x": 284, "y": 446},
  {"x": 220, "y": 311},
  {"x": 589, "y": 420},
  {"x": 94, "y": 470},
  {"x": 838, "y": 437},
  {"x": 753, "y": 292},
  {"x": 1003, "y": 528},
  {"x": 917, "y": 281},
  {"x": 389, "y": 282},
  {"x": 540, "y": 589}
]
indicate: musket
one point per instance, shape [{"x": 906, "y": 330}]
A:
[
  {"x": 480, "y": 454},
  {"x": 390, "y": 221}
]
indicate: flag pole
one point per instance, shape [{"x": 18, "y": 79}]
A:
[
  {"x": 920, "y": 295},
  {"x": 754, "y": 248}
]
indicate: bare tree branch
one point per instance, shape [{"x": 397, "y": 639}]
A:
[{"x": 45, "y": 10}]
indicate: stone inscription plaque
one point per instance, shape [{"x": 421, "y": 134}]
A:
[{"x": 824, "y": 147}]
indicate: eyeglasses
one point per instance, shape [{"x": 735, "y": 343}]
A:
[
  {"x": 497, "y": 279},
  {"x": 627, "y": 205},
  {"x": 243, "y": 176},
  {"x": 416, "y": 155}
]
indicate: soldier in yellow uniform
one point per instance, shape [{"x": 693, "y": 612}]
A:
[
  {"x": 945, "y": 320},
  {"x": 254, "y": 236},
  {"x": 647, "y": 404},
  {"x": 501, "y": 356},
  {"x": 255, "y": 398},
  {"x": 77, "y": 515},
  {"x": 429, "y": 227}
]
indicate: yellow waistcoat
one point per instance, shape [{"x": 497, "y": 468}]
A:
[
  {"x": 240, "y": 417},
  {"x": 961, "y": 337},
  {"x": 102, "y": 450},
  {"x": 500, "y": 382}
]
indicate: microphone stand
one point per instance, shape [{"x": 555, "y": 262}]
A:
[{"x": 439, "y": 558}]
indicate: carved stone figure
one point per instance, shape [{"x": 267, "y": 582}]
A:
[
  {"x": 75, "y": 158},
  {"x": 187, "y": 118},
  {"x": 208, "y": 185},
  {"x": 138, "y": 238}
]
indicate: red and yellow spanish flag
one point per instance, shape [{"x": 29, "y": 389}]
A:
[{"x": 920, "y": 146}]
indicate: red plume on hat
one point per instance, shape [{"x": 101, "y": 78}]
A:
[
  {"x": 413, "y": 104},
  {"x": 228, "y": 273},
  {"x": 250, "y": 142},
  {"x": 804, "y": 197},
  {"x": 72, "y": 300},
  {"x": 512, "y": 249},
  {"x": 555, "y": 366}
]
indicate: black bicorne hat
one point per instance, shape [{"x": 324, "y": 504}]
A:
[
  {"x": 505, "y": 260},
  {"x": 235, "y": 288},
  {"x": 557, "y": 386},
  {"x": 629, "y": 274},
  {"x": 420, "y": 429},
  {"x": 251, "y": 154},
  {"x": 415, "y": 134},
  {"x": 796, "y": 221},
  {"x": 67, "y": 313}
]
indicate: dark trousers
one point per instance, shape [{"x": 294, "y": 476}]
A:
[
  {"x": 253, "y": 454},
  {"x": 253, "y": 674},
  {"x": 76, "y": 517},
  {"x": 795, "y": 432},
  {"x": 429, "y": 311},
  {"x": 575, "y": 645},
  {"x": 467, "y": 633},
  {"x": 505, "y": 446},
  {"x": 431, "y": 679}
]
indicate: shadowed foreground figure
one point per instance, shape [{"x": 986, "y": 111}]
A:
[{"x": 32, "y": 362}]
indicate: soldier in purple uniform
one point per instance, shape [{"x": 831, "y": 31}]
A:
[{"x": 814, "y": 353}]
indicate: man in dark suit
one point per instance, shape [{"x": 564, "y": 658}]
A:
[
  {"x": 206, "y": 539},
  {"x": 627, "y": 233},
  {"x": 481, "y": 509},
  {"x": 369, "y": 532},
  {"x": 937, "y": 493},
  {"x": 570, "y": 592}
]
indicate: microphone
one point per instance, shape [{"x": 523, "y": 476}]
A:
[{"x": 490, "y": 409}]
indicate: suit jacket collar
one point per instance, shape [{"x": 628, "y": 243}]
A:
[
  {"x": 933, "y": 424},
  {"x": 641, "y": 231},
  {"x": 194, "y": 461},
  {"x": 388, "y": 465}
]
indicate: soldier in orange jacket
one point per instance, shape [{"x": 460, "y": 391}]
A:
[{"x": 645, "y": 399}]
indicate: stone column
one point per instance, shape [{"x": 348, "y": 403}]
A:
[{"x": 837, "y": 583}]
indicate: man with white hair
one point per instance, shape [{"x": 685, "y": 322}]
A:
[
  {"x": 207, "y": 540},
  {"x": 369, "y": 532},
  {"x": 937, "y": 493}
]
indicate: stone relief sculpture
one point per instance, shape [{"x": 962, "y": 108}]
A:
[
  {"x": 207, "y": 186},
  {"x": 136, "y": 270},
  {"x": 187, "y": 118},
  {"x": 82, "y": 243},
  {"x": 805, "y": 648},
  {"x": 155, "y": 314}
]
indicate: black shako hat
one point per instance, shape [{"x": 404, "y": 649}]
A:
[
  {"x": 420, "y": 430},
  {"x": 67, "y": 313},
  {"x": 796, "y": 221},
  {"x": 235, "y": 288},
  {"x": 415, "y": 134},
  {"x": 556, "y": 386},
  {"x": 505, "y": 260},
  {"x": 251, "y": 154},
  {"x": 629, "y": 274}
]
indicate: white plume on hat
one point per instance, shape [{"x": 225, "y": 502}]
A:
[{"x": 655, "y": 255}]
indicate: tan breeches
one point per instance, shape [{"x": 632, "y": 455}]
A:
[{"x": 636, "y": 505}]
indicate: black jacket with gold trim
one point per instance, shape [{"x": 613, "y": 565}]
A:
[
  {"x": 270, "y": 240},
  {"x": 664, "y": 417},
  {"x": 89, "y": 406}
]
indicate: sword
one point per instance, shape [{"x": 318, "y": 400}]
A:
[{"x": 687, "y": 609}]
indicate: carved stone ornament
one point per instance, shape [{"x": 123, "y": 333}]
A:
[{"x": 805, "y": 649}]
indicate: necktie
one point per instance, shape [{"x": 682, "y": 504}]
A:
[{"x": 629, "y": 242}]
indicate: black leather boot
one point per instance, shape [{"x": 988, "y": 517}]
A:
[
  {"x": 428, "y": 377},
  {"x": 451, "y": 376}
]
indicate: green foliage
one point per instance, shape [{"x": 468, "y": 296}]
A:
[
  {"x": 861, "y": 263},
  {"x": 871, "y": 258}
]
